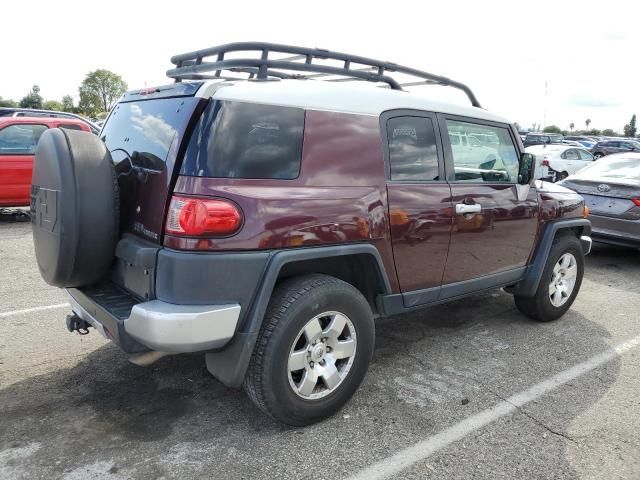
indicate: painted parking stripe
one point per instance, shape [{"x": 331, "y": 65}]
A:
[
  {"x": 421, "y": 450},
  {"x": 34, "y": 309}
]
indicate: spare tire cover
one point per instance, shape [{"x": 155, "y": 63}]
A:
[{"x": 74, "y": 208}]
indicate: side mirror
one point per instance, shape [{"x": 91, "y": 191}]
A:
[{"x": 527, "y": 168}]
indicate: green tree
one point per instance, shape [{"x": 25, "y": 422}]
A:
[
  {"x": 67, "y": 104},
  {"x": 609, "y": 132},
  {"x": 52, "y": 105},
  {"x": 571, "y": 126},
  {"x": 552, "y": 129},
  {"x": 7, "y": 102},
  {"x": 99, "y": 91},
  {"x": 587, "y": 122},
  {"x": 33, "y": 99},
  {"x": 630, "y": 129}
]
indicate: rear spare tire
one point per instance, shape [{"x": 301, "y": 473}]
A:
[{"x": 74, "y": 208}]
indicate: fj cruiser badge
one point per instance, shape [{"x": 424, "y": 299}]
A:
[{"x": 139, "y": 228}]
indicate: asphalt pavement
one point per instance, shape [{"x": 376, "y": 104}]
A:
[{"x": 471, "y": 389}]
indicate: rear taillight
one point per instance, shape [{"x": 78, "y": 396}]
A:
[
  {"x": 545, "y": 162},
  {"x": 636, "y": 201},
  {"x": 193, "y": 217}
]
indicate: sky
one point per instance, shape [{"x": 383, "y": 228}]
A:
[{"x": 541, "y": 62}]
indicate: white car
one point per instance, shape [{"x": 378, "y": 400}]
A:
[{"x": 557, "y": 162}]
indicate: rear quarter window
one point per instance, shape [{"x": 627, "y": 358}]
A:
[{"x": 246, "y": 140}]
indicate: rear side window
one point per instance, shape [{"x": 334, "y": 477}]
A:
[
  {"x": 413, "y": 155},
  {"x": 570, "y": 155},
  {"x": 246, "y": 140},
  {"x": 20, "y": 139},
  {"x": 584, "y": 155}
]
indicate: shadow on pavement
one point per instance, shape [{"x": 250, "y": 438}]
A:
[
  {"x": 174, "y": 420},
  {"x": 13, "y": 215}
]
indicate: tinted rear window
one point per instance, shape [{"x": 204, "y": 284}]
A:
[
  {"x": 618, "y": 167},
  {"x": 245, "y": 140},
  {"x": 412, "y": 149},
  {"x": 143, "y": 130}
]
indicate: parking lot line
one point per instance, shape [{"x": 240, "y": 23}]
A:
[
  {"x": 421, "y": 450},
  {"x": 34, "y": 309}
]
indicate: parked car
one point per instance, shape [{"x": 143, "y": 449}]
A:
[
  {"x": 557, "y": 162},
  {"x": 611, "y": 188},
  {"x": 608, "y": 147},
  {"x": 33, "y": 112},
  {"x": 572, "y": 143},
  {"x": 539, "y": 138},
  {"x": 587, "y": 142},
  {"x": 18, "y": 139},
  {"x": 266, "y": 224}
]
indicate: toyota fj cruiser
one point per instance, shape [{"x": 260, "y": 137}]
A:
[{"x": 266, "y": 221}]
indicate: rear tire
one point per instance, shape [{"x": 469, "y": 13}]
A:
[
  {"x": 295, "y": 375},
  {"x": 559, "y": 284},
  {"x": 563, "y": 175},
  {"x": 598, "y": 155}
]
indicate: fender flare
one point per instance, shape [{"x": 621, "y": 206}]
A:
[
  {"x": 230, "y": 364},
  {"x": 528, "y": 286}
]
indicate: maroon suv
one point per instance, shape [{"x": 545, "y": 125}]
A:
[{"x": 267, "y": 222}]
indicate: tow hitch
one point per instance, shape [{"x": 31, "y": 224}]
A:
[{"x": 76, "y": 324}]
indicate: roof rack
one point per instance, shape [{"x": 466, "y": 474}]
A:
[{"x": 191, "y": 66}]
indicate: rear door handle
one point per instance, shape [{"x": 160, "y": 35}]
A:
[{"x": 462, "y": 208}]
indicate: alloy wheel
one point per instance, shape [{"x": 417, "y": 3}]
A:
[
  {"x": 563, "y": 279},
  {"x": 322, "y": 355}
]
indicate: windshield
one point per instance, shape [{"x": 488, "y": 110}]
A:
[
  {"x": 627, "y": 168},
  {"x": 556, "y": 138},
  {"x": 143, "y": 130}
]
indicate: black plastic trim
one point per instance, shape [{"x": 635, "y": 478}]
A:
[
  {"x": 135, "y": 265},
  {"x": 229, "y": 365},
  {"x": 210, "y": 278},
  {"x": 528, "y": 286},
  {"x": 114, "y": 326},
  {"x": 400, "y": 303}
]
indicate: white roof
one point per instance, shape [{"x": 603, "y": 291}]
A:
[{"x": 348, "y": 97}]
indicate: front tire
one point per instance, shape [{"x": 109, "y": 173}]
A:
[
  {"x": 559, "y": 284},
  {"x": 313, "y": 350}
]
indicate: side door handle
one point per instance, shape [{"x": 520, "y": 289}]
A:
[{"x": 462, "y": 208}]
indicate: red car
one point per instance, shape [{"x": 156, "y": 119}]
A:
[{"x": 18, "y": 139}]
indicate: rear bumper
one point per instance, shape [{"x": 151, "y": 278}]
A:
[
  {"x": 162, "y": 326},
  {"x": 615, "y": 231}
]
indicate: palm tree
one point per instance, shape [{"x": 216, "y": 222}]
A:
[
  {"x": 571, "y": 125},
  {"x": 587, "y": 122}
]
